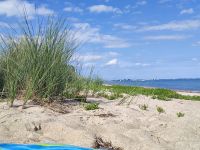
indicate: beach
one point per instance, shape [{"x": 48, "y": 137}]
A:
[{"x": 120, "y": 121}]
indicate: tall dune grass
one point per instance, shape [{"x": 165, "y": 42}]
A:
[{"x": 36, "y": 62}]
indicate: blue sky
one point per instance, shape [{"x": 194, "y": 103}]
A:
[{"x": 137, "y": 39}]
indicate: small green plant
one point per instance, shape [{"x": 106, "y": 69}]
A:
[
  {"x": 180, "y": 114},
  {"x": 143, "y": 107},
  {"x": 91, "y": 106},
  {"x": 160, "y": 97},
  {"x": 81, "y": 98},
  {"x": 111, "y": 95},
  {"x": 160, "y": 110}
]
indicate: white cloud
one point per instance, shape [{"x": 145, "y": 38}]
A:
[
  {"x": 112, "y": 62},
  {"x": 196, "y": 44},
  {"x": 174, "y": 25},
  {"x": 142, "y": 2},
  {"x": 166, "y": 37},
  {"x": 125, "y": 64},
  {"x": 18, "y": 7},
  {"x": 85, "y": 33},
  {"x": 104, "y": 8},
  {"x": 124, "y": 26},
  {"x": 194, "y": 59},
  {"x": 4, "y": 24},
  {"x": 142, "y": 64},
  {"x": 187, "y": 11},
  {"x": 44, "y": 11},
  {"x": 73, "y": 9},
  {"x": 164, "y": 1},
  {"x": 89, "y": 57},
  {"x": 113, "y": 54}
]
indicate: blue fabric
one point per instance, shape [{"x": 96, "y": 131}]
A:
[{"x": 40, "y": 147}]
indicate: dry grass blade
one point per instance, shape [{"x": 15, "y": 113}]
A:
[
  {"x": 123, "y": 100},
  {"x": 101, "y": 144},
  {"x": 56, "y": 106},
  {"x": 105, "y": 115}
]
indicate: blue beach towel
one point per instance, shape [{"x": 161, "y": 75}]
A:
[{"x": 40, "y": 147}]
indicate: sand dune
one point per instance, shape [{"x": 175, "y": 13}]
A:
[{"x": 125, "y": 125}]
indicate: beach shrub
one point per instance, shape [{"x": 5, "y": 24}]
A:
[
  {"x": 37, "y": 62},
  {"x": 180, "y": 114},
  {"x": 160, "y": 110},
  {"x": 91, "y": 106},
  {"x": 143, "y": 107}
]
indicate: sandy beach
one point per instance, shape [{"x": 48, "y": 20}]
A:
[{"x": 120, "y": 121}]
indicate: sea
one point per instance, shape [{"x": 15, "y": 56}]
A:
[{"x": 192, "y": 85}]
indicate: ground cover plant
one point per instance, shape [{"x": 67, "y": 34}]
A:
[
  {"x": 180, "y": 114},
  {"x": 155, "y": 93},
  {"x": 91, "y": 106},
  {"x": 160, "y": 109},
  {"x": 143, "y": 107}
]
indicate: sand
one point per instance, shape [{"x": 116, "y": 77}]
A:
[{"x": 128, "y": 127}]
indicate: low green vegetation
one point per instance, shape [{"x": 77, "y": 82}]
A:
[
  {"x": 180, "y": 114},
  {"x": 160, "y": 109},
  {"x": 109, "y": 95},
  {"x": 155, "y": 93},
  {"x": 91, "y": 106},
  {"x": 143, "y": 107}
]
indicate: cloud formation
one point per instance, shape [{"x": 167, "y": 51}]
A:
[
  {"x": 187, "y": 11},
  {"x": 17, "y": 8},
  {"x": 89, "y": 57},
  {"x": 112, "y": 62},
  {"x": 73, "y": 9},
  {"x": 166, "y": 37},
  {"x": 174, "y": 26},
  {"x": 86, "y": 33},
  {"x": 104, "y": 8}
]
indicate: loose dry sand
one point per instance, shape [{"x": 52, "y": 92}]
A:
[{"x": 129, "y": 128}]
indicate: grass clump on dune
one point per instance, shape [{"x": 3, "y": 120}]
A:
[
  {"x": 36, "y": 64},
  {"x": 91, "y": 106},
  {"x": 143, "y": 107},
  {"x": 160, "y": 110},
  {"x": 180, "y": 114}
]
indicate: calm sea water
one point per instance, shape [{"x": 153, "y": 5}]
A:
[{"x": 174, "y": 84}]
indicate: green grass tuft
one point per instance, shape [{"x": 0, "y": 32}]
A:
[
  {"x": 37, "y": 62},
  {"x": 180, "y": 114},
  {"x": 160, "y": 110},
  {"x": 143, "y": 107},
  {"x": 91, "y": 106}
]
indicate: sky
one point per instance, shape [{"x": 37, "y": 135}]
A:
[{"x": 125, "y": 39}]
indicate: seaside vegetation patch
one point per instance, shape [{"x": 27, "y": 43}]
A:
[
  {"x": 91, "y": 106},
  {"x": 180, "y": 114},
  {"x": 143, "y": 107},
  {"x": 160, "y": 110},
  {"x": 155, "y": 93}
]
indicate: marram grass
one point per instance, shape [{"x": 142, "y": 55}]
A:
[{"x": 36, "y": 63}]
